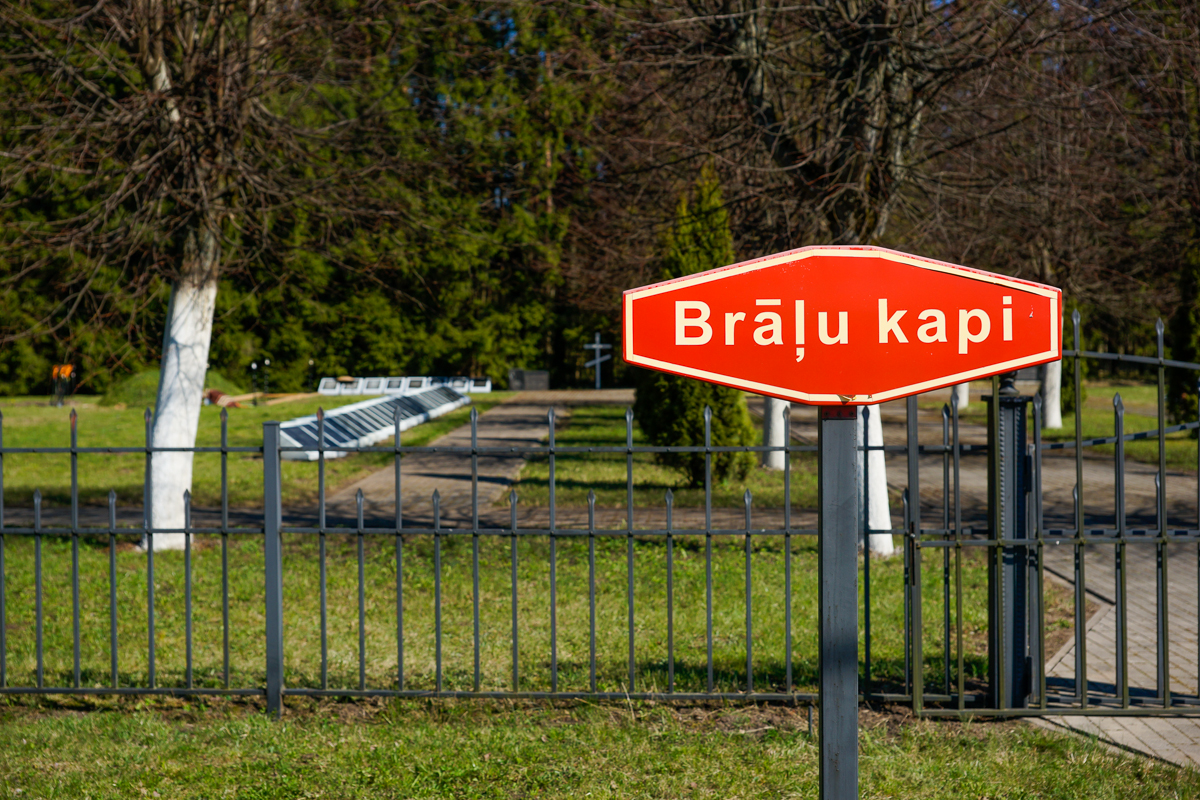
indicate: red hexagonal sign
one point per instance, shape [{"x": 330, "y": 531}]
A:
[{"x": 836, "y": 325}]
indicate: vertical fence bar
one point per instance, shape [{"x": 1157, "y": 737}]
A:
[
  {"x": 225, "y": 546},
  {"x": 629, "y": 537},
  {"x": 1197, "y": 542},
  {"x": 746, "y": 499},
  {"x": 437, "y": 585},
  {"x": 946, "y": 550},
  {"x": 865, "y": 439},
  {"x": 75, "y": 547},
  {"x": 148, "y": 533},
  {"x": 915, "y": 619},
  {"x": 3, "y": 586},
  {"x": 475, "y": 535},
  {"x": 1163, "y": 556},
  {"x": 906, "y": 555},
  {"x": 1081, "y": 683},
  {"x": 708, "y": 543},
  {"x": 591, "y": 503},
  {"x": 958, "y": 554},
  {"x": 787, "y": 545},
  {"x": 997, "y": 656},
  {"x": 187, "y": 585},
  {"x": 1122, "y": 609},
  {"x": 37, "y": 588},
  {"x": 512, "y": 520},
  {"x": 1039, "y": 522},
  {"x": 362, "y": 594},
  {"x": 273, "y": 557},
  {"x": 553, "y": 564},
  {"x": 670, "y": 497},
  {"x": 399, "y": 506},
  {"x": 321, "y": 549},
  {"x": 112, "y": 586}
]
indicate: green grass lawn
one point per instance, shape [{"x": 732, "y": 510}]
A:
[
  {"x": 302, "y": 614},
  {"x": 29, "y": 422},
  {"x": 504, "y": 750},
  {"x": 1141, "y": 403},
  {"x": 605, "y": 473}
]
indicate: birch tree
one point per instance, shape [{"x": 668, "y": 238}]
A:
[{"x": 173, "y": 135}]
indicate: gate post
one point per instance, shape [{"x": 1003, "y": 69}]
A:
[
  {"x": 838, "y": 525},
  {"x": 1009, "y": 482},
  {"x": 273, "y": 572}
]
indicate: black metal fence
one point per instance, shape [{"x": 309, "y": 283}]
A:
[{"x": 543, "y": 605}]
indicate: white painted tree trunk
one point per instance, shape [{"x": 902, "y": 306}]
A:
[
  {"x": 181, "y": 389},
  {"x": 878, "y": 511},
  {"x": 1052, "y": 395},
  {"x": 963, "y": 390},
  {"x": 775, "y": 432}
]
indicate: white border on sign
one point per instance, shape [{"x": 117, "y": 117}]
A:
[{"x": 1053, "y": 354}]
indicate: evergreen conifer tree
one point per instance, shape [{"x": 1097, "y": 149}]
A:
[{"x": 670, "y": 408}]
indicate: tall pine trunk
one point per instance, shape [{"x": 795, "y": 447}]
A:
[{"x": 181, "y": 384}]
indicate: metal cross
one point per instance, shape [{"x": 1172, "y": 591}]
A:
[{"x": 599, "y": 359}]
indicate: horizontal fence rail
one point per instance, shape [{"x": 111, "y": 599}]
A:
[{"x": 411, "y": 598}]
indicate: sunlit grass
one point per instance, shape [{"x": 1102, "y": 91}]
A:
[{"x": 28, "y": 422}]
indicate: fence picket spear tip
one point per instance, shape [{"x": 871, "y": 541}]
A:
[{"x": 1159, "y": 327}]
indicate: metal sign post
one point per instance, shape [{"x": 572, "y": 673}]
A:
[
  {"x": 599, "y": 359},
  {"x": 838, "y": 524}
]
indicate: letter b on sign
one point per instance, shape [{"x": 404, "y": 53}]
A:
[{"x": 692, "y": 315}]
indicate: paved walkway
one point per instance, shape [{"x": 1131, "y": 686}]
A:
[{"x": 521, "y": 422}]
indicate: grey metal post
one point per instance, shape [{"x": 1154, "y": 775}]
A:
[
  {"x": 273, "y": 552},
  {"x": 838, "y": 524},
  {"x": 1009, "y": 667}
]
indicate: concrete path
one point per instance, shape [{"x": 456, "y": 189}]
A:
[
  {"x": 521, "y": 422},
  {"x": 1174, "y": 739}
]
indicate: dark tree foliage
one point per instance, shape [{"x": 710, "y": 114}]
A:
[
  {"x": 400, "y": 207},
  {"x": 670, "y": 408}
]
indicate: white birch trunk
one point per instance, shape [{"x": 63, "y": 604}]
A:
[
  {"x": 181, "y": 389},
  {"x": 963, "y": 390},
  {"x": 775, "y": 432},
  {"x": 878, "y": 511},
  {"x": 1052, "y": 395}
]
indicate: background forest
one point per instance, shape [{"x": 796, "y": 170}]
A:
[{"x": 462, "y": 188}]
